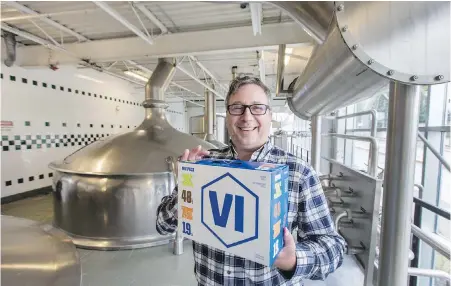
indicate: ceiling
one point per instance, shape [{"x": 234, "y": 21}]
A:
[{"x": 206, "y": 38}]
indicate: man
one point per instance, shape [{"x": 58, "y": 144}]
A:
[{"x": 318, "y": 250}]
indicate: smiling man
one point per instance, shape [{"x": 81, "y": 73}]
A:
[{"x": 317, "y": 250}]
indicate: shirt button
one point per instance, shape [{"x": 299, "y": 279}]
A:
[{"x": 229, "y": 272}]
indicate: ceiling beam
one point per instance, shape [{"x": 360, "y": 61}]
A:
[
  {"x": 113, "y": 13},
  {"x": 170, "y": 45},
  {"x": 50, "y": 22},
  {"x": 151, "y": 17}
]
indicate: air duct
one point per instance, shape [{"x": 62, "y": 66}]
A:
[
  {"x": 361, "y": 53},
  {"x": 115, "y": 184},
  {"x": 210, "y": 119},
  {"x": 10, "y": 46}
]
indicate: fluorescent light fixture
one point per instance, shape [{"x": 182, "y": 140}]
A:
[
  {"x": 287, "y": 58},
  {"x": 136, "y": 75},
  {"x": 88, "y": 78}
]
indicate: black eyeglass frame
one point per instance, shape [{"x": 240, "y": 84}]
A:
[{"x": 248, "y": 106}]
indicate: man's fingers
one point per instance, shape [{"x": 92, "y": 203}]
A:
[
  {"x": 185, "y": 155},
  {"x": 288, "y": 238}
]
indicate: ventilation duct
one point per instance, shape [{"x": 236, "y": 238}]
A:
[
  {"x": 361, "y": 53},
  {"x": 114, "y": 185},
  {"x": 10, "y": 46}
]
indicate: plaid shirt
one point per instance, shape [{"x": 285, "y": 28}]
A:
[{"x": 319, "y": 248}]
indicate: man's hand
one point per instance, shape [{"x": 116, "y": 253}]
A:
[
  {"x": 286, "y": 260},
  {"x": 194, "y": 154}
]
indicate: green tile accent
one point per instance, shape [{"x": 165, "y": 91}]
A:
[
  {"x": 53, "y": 86},
  {"x": 24, "y": 80},
  {"x": 49, "y": 145},
  {"x": 28, "y": 147},
  {"x": 47, "y": 124},
  {"x": 33, "y": 141},
  {"x": 64, "y": 124},
  {"x": 28, "y": 137},
  {"x": 17, "y": 137},
  {"x": 35, "y": 82},
  {"x": 12, "y": 78},
  {"x": 17, "y": 147},
  {"x": 44, "y": 84},
  {"x": 27, "y": 123},
  {"x": 38, "y": 136},
  {"x": 47, "y": 136},
  {"x": 4, "y": 137},
  {"x": 39, "y": 146}
]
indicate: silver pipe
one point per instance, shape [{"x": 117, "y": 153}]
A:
[
  {"x": 435, "y": 152},
  {"x": 432, "y": 241},
  {"x": 10, "y": 46},
  {"x": 411, "y": 271},
  {"x": 372, "y": 164},
  {"x": 316, "y": 142},
  {"x": 404, "y": 108},
  {"x": 280, "y": 68},
  {"x": 313, "y": 17},
  {"x": 373, "y": 115},
  {"x": 234, "y": 68},
  {"x": 210, "y": 106},
  {"x": 339, "y": 218},
  {"x": 159, "y": 82}
]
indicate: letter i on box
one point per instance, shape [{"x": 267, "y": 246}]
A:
[{"x": 236, "y": 206}]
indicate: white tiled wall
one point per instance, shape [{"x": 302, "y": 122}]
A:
[{"x": 90, "y": 110}]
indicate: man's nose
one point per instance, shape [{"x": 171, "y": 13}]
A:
[{"x": 247, "y": 115}]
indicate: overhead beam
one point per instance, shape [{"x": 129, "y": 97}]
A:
[
  {"x": 50, "y": 22},
  {"x": 113, "y": 13},
  {"x": 151, "y": 17},
  {"x": 170, "y": 45}
]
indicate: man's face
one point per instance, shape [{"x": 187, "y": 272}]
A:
[{"x": 248, "y": 131}]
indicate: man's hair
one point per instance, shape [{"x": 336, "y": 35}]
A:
[{"x": 242, "y": 81}]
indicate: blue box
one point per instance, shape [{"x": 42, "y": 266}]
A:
[{"x": 240, "y": 207}]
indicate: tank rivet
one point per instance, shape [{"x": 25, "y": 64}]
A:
[
  {"x": 340, "y": 7},
  {"x": 413, "y": 78},
  {"x": 390, "y": 72},
  {"x": 370, "y": 61},
  {"x": 439, "y": 77},
  {"x": 344, "y": 29},
  {"x": 355, "y": 47}
]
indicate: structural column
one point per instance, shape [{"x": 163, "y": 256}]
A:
[
  {"x": 316, "y": 142},
  {"x": 404, "y": 104}
]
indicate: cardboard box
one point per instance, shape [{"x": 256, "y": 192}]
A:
[{"x": 237, "y": 206}]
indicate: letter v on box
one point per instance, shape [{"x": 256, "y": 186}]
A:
[{"x": 236, "y": 206}]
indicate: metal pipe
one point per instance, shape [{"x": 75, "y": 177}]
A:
[
  {"x": 159, "y": 82},
  {"x": 411, "y": 271},
  {"x": 399, "y": 181},
  {"x": 280, "y": 69},
  {"x": 435, "y": 152},
  {"x": 10, "y": 47},
  {"x": 316, "y": 142},
  {"x": 372, "y": 164},
  {"x": 210, "y": 106},
  {"x": 313, "y": 17},
  {"x": 373, "y": 115},
  {"x": 234, "y": 68},
  {"x": 123, "y": 21},
  {"x": 432, "y": 241},
  {"x": 439, "y": 211}
]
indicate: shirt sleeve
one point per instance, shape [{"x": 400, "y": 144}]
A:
[
  {"x": 319, "y": 248},
  {"x": 167, "y": 214}
]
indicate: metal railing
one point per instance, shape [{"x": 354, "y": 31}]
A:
[
  {"x": 372, "y": 160},
  {"x": 435, "y": 152},
  {"x": 372, "y": 113}
]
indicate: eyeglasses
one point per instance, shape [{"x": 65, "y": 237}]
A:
[{"x": 255, "y": 109}]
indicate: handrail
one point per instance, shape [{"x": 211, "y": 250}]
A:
[
  {"x": 423, "y": 272},
  {"x": 373, "y": 115},
  {"x": 432, "y": 241},
  {"x": 435, "y": 152},
  {"x": 439, "y": 211},
  {"x": 372, "y": 164}
]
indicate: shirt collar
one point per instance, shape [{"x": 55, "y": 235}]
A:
[{"x": 258, "y": 155}]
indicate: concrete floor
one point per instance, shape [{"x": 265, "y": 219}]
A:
[{"x": 150, "y": 266}]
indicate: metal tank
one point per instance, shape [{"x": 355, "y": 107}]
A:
[
  {"x": 206, "y": 126},
  {"x": 359, "y": 52},
  {"x": 38, "y": 254},
  {"x": 106, "y": 194}
]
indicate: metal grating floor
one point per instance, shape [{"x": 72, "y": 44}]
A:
[{"x": 155, "y": 266}]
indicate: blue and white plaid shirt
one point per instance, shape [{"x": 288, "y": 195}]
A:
[{"x": 319, "y": 248}]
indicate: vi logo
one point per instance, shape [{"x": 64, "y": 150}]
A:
[{"x": 223, "y": 213}]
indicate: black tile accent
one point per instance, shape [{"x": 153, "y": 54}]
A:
[
  {"x": 64, "y": 124},
  {"x": 27, "y": 123},
  {"x": 89, "y": 93},
  {"x": 41, "y": 176},
  {"x": 90, "y": 125},
  {"x": 12, "y": 78},
  {"x": 83, "y": 93},
  {"x": 29, "y": 194},
  {"x": 35, "y": 82},
  {"x": 76, "y": 91},
  {"x": 62, "y": 88},
  {"x": 112, "y": 126},
  {"x": 31, "y": 178},
  {"x": 95, "y": 95},
  {"x": 24, "y": 80},
  {"x": 100, "y": 96},
  {"x": 69, "y": 89},
  {"x": 53, "y": 86},
  {"x": 44, "y": 84},
  {"x": 50, "y": 175},
  {"x": 20, "y": 181},
  {"x": 78, "y": 125},
  {"x": 1, "y": 75},
  {"x": 47, "y": 124},
  {"x": 5, "y": 148},
  {"x": 8, "y": 183},
  {"x": 101, "y": 125}
]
